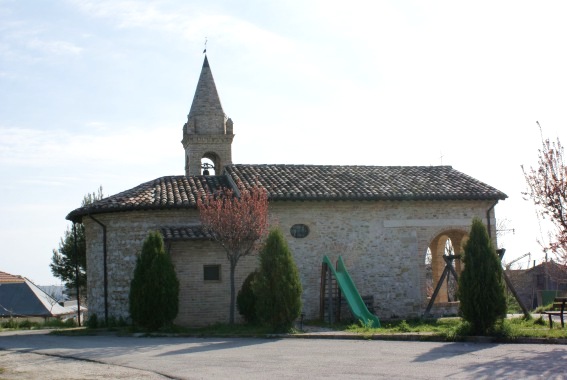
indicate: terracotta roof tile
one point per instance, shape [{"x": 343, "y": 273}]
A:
[
  {"x": 161, "y": 193},
  {"x": 7, "y": 278},
  {"x": 303, "y": 183},
  {"x": 323, "y": 182},
  {"x": 185, "y": 233}
]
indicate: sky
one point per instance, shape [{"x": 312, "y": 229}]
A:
[{"x": 95, "y": 93}]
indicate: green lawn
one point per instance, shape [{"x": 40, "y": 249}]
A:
[
  {"x": 454, "y": 328},
  {"x": 451, "y": 329}
]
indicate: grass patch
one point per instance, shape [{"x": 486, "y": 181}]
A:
[
  {"x": 533, "y": 328},
  {"x": 454, "y": 329},
  {"x": 541, "y": 309},
  {"x": 431, "y": 326},
  {"x": 25, "y": 324},
  {"x": 449, "y": 329}
]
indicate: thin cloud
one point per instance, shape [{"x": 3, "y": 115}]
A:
[
  {"x": 54, "y": 47},
  {"x": 23, "y": 42},
  {"x": 40, "y": 148},
  {"x": 190, "y": 22},
  {"x": 129, "y": 13}
]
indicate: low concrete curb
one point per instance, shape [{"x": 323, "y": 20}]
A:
[
  {"x": 420, "y": 337},
  {"x": 331, "y": 334}
]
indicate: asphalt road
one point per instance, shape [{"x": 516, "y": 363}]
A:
[{"x": 35, "y": 354}]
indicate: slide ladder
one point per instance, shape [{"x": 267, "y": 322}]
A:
[{"x": 348, "y": 289}]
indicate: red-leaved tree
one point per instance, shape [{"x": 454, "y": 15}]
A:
[
  {"x": 237, "y": 221},
  {"x": 547, "y": 188}
]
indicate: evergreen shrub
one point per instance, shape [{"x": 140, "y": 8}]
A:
[
  {"x": 246, "y": 299},
  {"x": 278, "y": 287},
  {"x": 92, "y": 321},
  {"x": 481, "y": 288},
  {"x": 154, "y": 290}
]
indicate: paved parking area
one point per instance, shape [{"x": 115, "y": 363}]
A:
[
  {"x": 195, "y": 358},
  {"x": 26, "y": 365}
]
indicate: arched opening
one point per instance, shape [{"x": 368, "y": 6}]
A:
[
  {"x": 210, "y": 164},
  {"x": 428, "y": 274},
  {"x": 448, "y": 244},
  {"x": 207, "y": 167}
]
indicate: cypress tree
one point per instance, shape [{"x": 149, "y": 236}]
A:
[
  {"x": 246, "y": 299},
  {"x": 481, "y": 289},
  {"x": 278, "y": 287},
  {"x": 154, "y": 290}
]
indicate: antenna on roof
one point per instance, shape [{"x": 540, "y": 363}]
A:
[{"x": 205, "y": 51}]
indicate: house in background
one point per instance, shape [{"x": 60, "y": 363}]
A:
[
  {"x": 57, "y": 292},
  {"x": 21, "y": 298},
  {"x": 538, "y": 286}
]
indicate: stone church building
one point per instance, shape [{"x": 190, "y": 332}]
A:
[{"x": 383, "y": 220}]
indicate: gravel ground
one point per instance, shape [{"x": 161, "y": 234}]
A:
[{"x": 24, "y": 365}]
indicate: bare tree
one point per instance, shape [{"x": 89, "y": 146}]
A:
[{"x": 547, "y": 188}]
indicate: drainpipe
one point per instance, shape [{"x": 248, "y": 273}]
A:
[
  {"x": 77, "y": 274},
  {"x": 105, "y": 255},
  {"x": 488, "y": 219}
]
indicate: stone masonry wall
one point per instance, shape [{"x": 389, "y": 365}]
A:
[
  {"x": 126, "y": 232},
  {"x": 383, "y": 245}
]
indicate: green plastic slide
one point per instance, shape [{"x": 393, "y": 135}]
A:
[{"x": 354, "y": 300}]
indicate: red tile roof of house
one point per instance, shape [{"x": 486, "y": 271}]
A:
[{"x": 7, "y": 278}]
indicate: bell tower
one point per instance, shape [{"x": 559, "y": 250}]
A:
[{"x": 208, "y": 132}]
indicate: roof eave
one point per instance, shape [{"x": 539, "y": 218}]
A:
[{"x": 76, "y": 216}]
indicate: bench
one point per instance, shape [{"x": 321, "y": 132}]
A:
[{"x": 557, "y": 309}]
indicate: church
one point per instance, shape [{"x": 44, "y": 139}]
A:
[{"x": 383, "y": 220}]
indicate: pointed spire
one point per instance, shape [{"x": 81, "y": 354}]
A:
[
  {"x": 208, "y": 133},
  {"x": 206, "y": 114}
]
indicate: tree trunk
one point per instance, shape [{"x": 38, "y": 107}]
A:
[{"x": 232, "y": 291}]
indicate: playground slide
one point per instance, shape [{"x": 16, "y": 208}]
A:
[{"x": 357, "y": 306}]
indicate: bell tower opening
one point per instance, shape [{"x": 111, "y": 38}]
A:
[{"x": 208, "y": 166}]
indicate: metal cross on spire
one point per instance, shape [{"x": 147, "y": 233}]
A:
[{"x": 205, "y": 51}]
